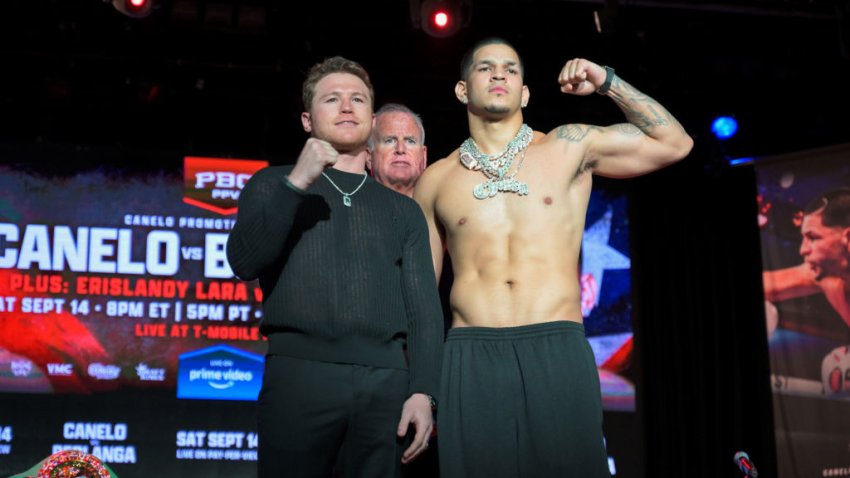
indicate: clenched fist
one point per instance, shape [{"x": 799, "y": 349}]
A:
[
  {"x": 316, "y": 156},
  {"x": 581, "y": 77}
]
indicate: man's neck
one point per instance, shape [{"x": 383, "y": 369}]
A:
[
  {"x": 405, "y": 189},
  {"x": 492, "y": 136},
  {"x": 401, "y": 187},
  {"x": 352, "y": 162}
]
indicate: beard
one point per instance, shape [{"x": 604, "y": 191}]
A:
[{"x": 496, "y": 110}]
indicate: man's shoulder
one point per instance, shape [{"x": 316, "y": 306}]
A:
[
  {"x": 448, "y": 161},
  {"x": 400, "y": 200},
  {"x": 437, "y": 171},
  {"x": 271, "y": 173},
  {"x": 569, "y": 132},
  {"x": 401, "y": 208}
]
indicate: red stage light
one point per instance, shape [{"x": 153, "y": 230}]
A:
[
  {"x": 134, "y": 8},
  {"x": 440, "y": 18}
]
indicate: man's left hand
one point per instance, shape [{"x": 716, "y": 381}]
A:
[
  {"x": 581, "y": 77},
  {"x": 416, "y": 411}
]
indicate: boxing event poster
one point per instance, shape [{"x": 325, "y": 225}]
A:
[
  {"x": 115, "y": 294},
  {"x": 124, "y": 334},
  {"x": 807, "y": 314}
]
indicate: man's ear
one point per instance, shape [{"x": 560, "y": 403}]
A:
[
  {"x": 460, "y": 92},
  {"x": 307, "y": 122},
  {"x": 526, "y": 93},
  {"x": 424, "y": 159}
]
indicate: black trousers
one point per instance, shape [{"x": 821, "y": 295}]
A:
[
  {"x": 319, "y": 419},
  {"x": 520, "y": 402}
]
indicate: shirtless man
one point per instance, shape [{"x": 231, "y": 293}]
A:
[
  {"x": 825, "y": 249},
  {"x": 519, "y": 390}
]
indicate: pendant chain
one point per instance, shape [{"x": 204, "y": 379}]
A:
[
  {"x": 346, "y": 197},
  {"x": 496, "y": 166}
]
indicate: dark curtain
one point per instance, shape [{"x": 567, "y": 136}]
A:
[{"x": 699, "y": 330}]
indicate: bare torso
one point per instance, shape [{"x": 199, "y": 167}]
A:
[{"x": 515, "y": 258}]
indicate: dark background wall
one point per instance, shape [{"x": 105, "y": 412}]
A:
[
  {"x": 78, "y": 77},
  {"x": 217, "y": 80}
]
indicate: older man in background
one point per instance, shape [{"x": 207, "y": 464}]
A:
[{"x": 398, "y": 148}]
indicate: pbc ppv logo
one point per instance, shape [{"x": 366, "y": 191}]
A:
[{"x": 215, "y": 184}]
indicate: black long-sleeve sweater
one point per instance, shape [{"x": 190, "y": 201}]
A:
[{"x": 341, "y": 284}]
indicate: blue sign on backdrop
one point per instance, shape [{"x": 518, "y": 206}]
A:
[{"x": 220, "y": 372}]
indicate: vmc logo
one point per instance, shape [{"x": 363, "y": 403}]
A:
[{"x": 215, "y": 184}]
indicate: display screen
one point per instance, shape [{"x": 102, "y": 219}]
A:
[
  {"x": 606, "y": 297},
  {"x": 111, "y": 281}
]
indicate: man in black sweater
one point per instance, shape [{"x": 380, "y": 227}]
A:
[{"x": 352, "y": 313}]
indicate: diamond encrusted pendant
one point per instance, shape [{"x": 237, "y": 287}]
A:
[
  {"x": 496, "y": 166},
  {"x": 491, "y": 187},
  {"x": 346, "y": 199}
]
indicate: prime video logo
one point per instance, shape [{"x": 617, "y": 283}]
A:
[
  {"x": 220, "y": 372},
  {"x": 220, "y": 379}
]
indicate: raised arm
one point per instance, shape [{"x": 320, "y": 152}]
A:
[
  {"x": 267, "y": 208},
  {"x": 426, "y": 195},
  {"x": 789, "y": 283},
  {"x": 651, "y": 139}
]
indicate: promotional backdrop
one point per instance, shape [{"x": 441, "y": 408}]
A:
[
  {"x": 808, "y": 338},
  {"x": 124, "y": 334}
]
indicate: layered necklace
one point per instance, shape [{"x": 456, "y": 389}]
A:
[
  {"x": 496, "y": 166},
  {"x": 346, "y": 197}
]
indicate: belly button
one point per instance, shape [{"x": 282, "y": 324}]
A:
[{"x": 510, "y": 284}]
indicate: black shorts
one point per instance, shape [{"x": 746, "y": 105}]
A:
[{"x": 520, "y": 402}]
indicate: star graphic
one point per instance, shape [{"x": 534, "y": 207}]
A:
[{"x": 597, "y": 255}]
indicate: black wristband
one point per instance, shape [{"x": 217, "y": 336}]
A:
[{"x": 609, "y": 77}]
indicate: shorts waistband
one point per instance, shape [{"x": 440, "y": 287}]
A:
[{"x": 511, "y": 333}]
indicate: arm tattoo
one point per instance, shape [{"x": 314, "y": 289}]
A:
[
  {"x": 575, "y": 132},
  {"x": 641, "y": 110},
  {"x": 628, "y": 129}
]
